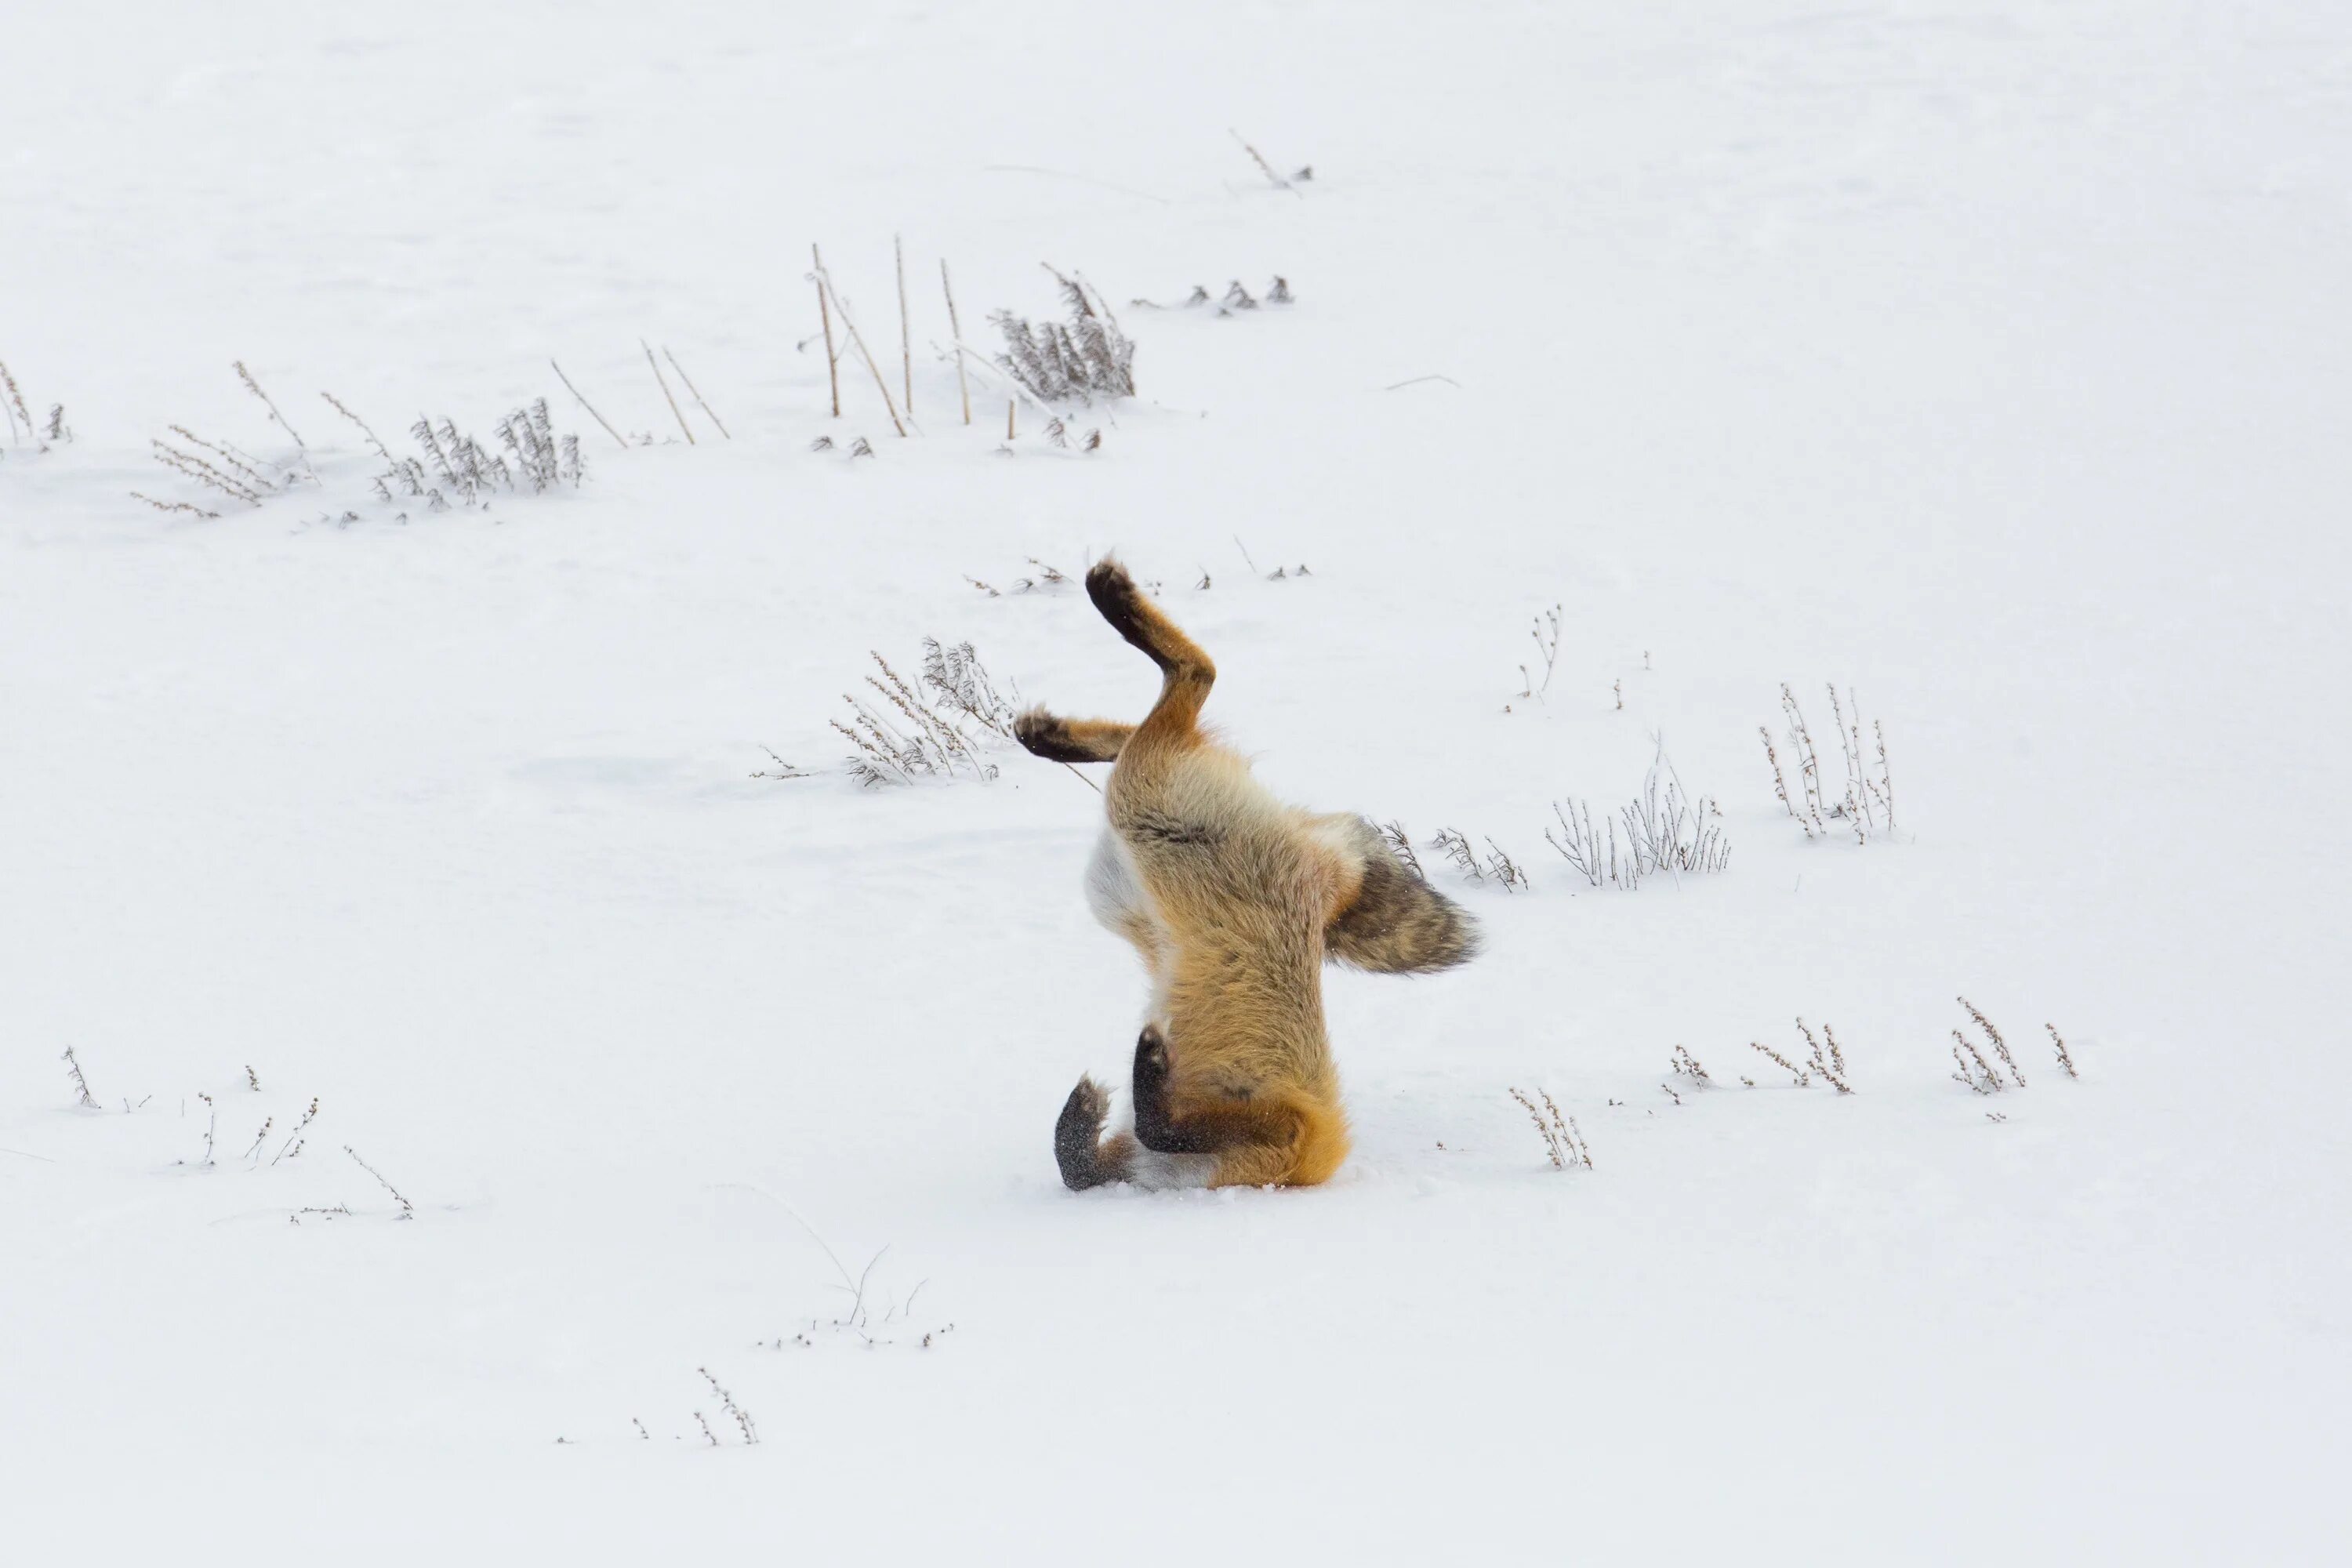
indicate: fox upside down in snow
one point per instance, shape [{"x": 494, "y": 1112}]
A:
[{"x": 1235, "y": 900}]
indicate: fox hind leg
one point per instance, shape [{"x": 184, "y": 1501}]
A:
[
  {"x": 1060, "y": 739},
  {"x": 1185, "y": 669}
]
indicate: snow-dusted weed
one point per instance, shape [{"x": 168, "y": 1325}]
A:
[
  {"x": 1563, "y": 1143},
  {"x": 1493, "y": 865},
  {"x": 938, "y": 728},
  {"x": 1971, "y": 1068},
  {"x": 1865, "y": 804},
  {"x": 1824, "y": 1062},
  {"x": 1087, "y": 357},
  {"x": 21, "y": 425},
  {"x": 1667, "y": 832}
]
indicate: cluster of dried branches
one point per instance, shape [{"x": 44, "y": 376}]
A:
[
  {"x": 1866, "y": 805},
  {"x": 1562, "y": 1141},
  {"x": 1978, "y": 1075},
  {"x": 905, "y": 732},
  {"x": 458, "y": 468},
  {"x": 1494, "y": 866},
  {"x": 21, "y": 424},
  {"x": 1828, "y": 1063},
  {"x": 1084, "y": 358},
  {"x": 224, "y": 468},
  {"x": 1666, "y": 831}
]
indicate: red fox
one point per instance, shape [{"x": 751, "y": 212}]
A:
[{"x": 1235, "y": 900}]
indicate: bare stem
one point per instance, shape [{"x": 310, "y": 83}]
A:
[
  {"x": 857, "y": 340},
  {"x": 663, "y": 382},
  {"x": 694, "y": 392},
  {"x": 583, "y": 402},
  {"x": 906, "y": 331},
  {"x": 825, "y": 309},
  {"x": 955, "y": 331}
]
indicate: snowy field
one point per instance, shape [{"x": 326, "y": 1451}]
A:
[{"x": 1988, "y": 359}]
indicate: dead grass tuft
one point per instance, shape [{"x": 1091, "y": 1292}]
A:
[
  {"x": 1866, "y": 805},
  {"x": 1666, "y": 831},
  {"x": 1562, "y": 1139}
]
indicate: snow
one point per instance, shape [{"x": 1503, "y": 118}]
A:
[{"x": 1991, "y": 359}]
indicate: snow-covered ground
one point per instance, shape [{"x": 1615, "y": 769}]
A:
[{"x": 1989, "y": 358}]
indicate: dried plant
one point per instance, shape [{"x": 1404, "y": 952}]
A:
[
  {"x": 1866, "y": 805},
  {"x": 1688, "y": 1065},
  {"x": 254, "y": 387},
  {"x": 1048, "y": 578},
  {"x": 1399, "y": 844},
  {"x": 1780, "y": 784},
  {"x": 223, "y": 466},
  {"x": 1831, "y": 1067},
  {"x": 825, "y": 313},
  {"x": 189, "y": 507},
  {"x": 727, "y": 1402},
  {"x": 457, "y": 467},
  {"x": 1804, "y": 1079},
  {"x": 1276, "y": 180},
  {"x": 20, "y": 418},
  {"x": 1547, "y": 640},
  {"x": 929, "y": 736},
  {"x": 1506, "y": 871},
  {"x": 407, "y": 1210},
  {"x": 364, "y": 428},
  {"x": 1562, "y": 1140},
  {"x": 1998, "y": 1045},
  {"x": 707, "y": 1432},
  {"x": 840, "y": 307},
  {"x": 1236, "y": 298},
  {"x": 1973, "y": 1069},
  {"x": 663, "y": 382},
  {"x": 211, "y": 1124},
  {"x": 696, "y": 392},
  {"x": 955, "y": 332},
  {"x": 1496, "y": 865},
  {"x": 2064, "y": 1061},
  {"x": 1666, "y": 831},
  {"x": 1087, "y": 358},
  {"x": 600, "y": 419},
  {"x": 957, "y": 675},
  {"x": 82, "y": 1095},
  {"x": 783, "y": 770},
  {"x": 861, "y": 447},
  {"x": 59, "y": 432},
  {"x": 1450, "y": 843},
  {"x": 292, "y": 1148}
]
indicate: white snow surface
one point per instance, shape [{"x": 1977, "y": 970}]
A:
[{"x": 1989, "y": 358}]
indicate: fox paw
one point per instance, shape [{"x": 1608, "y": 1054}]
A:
[
  {"x": 1049, "y": 737},
  {"x": 1112, "y": 590}
]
